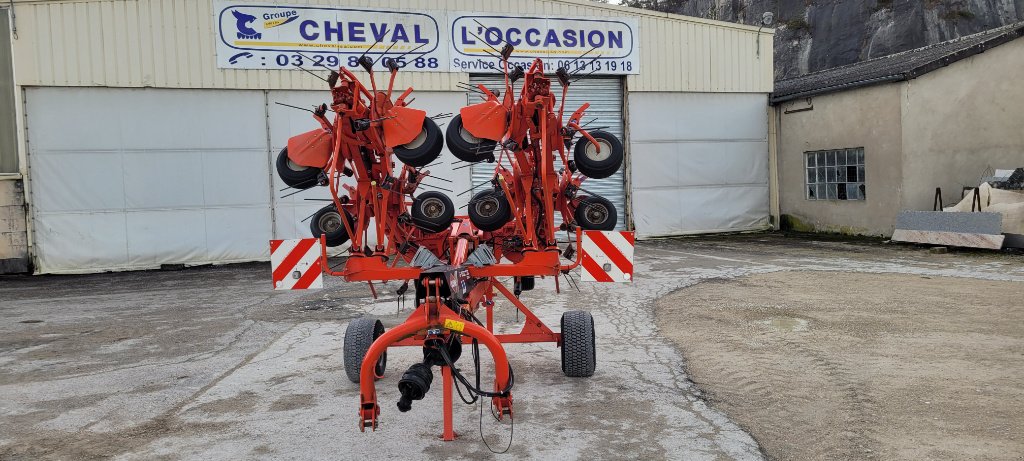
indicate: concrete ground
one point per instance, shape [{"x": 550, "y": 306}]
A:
[{"x": 209, "y": 363}]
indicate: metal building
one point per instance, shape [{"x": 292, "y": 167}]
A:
[{"x": 144, "y": 131}]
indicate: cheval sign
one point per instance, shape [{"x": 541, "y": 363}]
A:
[
  {"x": 284, "y": 37},
  {"x": 253, "y": 36}
]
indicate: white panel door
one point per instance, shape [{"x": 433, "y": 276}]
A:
[
  {"x": 136, "y": 178},
  {"x": 293, "y": 208},
  {"x": 699, "y": 162}
]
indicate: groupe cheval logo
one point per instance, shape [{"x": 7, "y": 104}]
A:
[{"x": 244, "y": 21}]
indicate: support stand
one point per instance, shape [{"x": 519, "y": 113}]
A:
[{"x": 448, "y": 402}]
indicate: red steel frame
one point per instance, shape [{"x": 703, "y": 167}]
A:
[
  {"x": 531, "y": 187},
  {"x": 432, "y": 319}
]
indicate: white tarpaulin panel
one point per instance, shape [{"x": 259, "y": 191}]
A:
[
  {"x": 699, "y": 162},
  {"x": 136, "y": 178}
]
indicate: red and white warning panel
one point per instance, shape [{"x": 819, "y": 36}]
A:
[
  {"x": 607, "y": 256},
  {"x": 296, "y": 264}
]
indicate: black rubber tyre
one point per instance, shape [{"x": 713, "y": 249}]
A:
[
  {"x": 466, "y": 147},
  {"x": 359, "y": 335},
  {"x": 425, "y": 148},
  {"x": 433, "y": 211},
  {"x": 328, "y": 221},
  {"x": 295, "y": 175},
  {"x": 598, "y": 165},
  {"x": 596, "y": 213},
  {"x": 579, "y": 349},
  {"x": 489, "y": 210},
  {"x": 527, "y": 282}
]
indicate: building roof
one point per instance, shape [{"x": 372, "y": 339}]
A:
[{"x": 895, "y": 67}]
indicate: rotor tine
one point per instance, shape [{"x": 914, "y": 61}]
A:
[
  {"x": 410, "y": 51},
  {"x": 498, "y": 55},
  {"x": 293, "y": 107},
  {"x": 573, "y": 74},
  {"x": 581, "y": 56},
  {"x": 582, "y": 76},
  {"x": 383, "y": 33},
  {"x": 486, "y": 30},
  {"x": 314, "y": 61},
  {"x": 384, "y": 53},
  {"x": 470, "y": 189}
]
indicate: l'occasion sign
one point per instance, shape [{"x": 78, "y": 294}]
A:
[
  {"x": 590, "y": 45},
  {"x": 254, "y": 36}
]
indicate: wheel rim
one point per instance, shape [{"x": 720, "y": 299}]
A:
[
  {"x": 432, "y": 208},
  {"x": 295, "y": 166},
  {"x": 330, "y": 222},
  {"x": 468, "y": 137},
  {"x": 596, "y": 213},
  {"x": 420, "y": 140},
  {"x": 487, "y": 207},
  {"x": 592, "y": 153}
]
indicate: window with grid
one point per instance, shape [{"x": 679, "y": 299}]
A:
[{"x": 835, "y": 174}]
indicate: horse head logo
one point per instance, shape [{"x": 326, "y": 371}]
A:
[{"x": 242, "y": 24}]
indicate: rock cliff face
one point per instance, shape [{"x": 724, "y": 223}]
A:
[{"x": 814, "y": 35}]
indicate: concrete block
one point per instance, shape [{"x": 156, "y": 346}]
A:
[
  {"x": 953, "y": 239},
  {"x": 950, "y": 221},
  {"x": 14, "y": 238},
  {"x": 12, "y": 219},
  {"x": 14, "y": 266},
  {"x": 12, "y": 193}
]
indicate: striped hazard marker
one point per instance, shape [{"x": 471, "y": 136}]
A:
[
  {"x": 296, "y": 264},
  {"x": 607, "y": 256}
]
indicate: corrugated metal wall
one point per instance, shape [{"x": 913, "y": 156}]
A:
[
  {"x": 170, "y": 43},
  {"x": 8, "y": 129},
  {"x": 605, "y": 112}
]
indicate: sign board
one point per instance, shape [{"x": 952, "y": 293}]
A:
[
  {"x": 607, "y": 256},
  {"x": 296, "y": 264},
  {"x": 254, "y": 36},
  {"x": 607, "y": 46},
  {"x": 284, "y": 37}
]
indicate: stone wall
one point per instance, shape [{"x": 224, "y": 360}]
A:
[{"x": 13, "y": 237}]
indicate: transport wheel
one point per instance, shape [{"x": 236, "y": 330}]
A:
[
  {"x": 433, "y": 211},
  {"x": 327, "y": 221},
  {"x": 489, "y": 210},
  {"x": 596, "y": 213},
  {"x": 527, "y": 282},
  {"x": 465, "y": 146},
  {"x": 425, "y": 148},
  {"x": 579, "y": 350},
  {"x": 359, "y": 335},
  {"x": 598, "y": 165},
  {"x": 295, "y": 175}
]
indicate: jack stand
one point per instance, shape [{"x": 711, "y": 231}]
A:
[{"x": 448, "y": 402}]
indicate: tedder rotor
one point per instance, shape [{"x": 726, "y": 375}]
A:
[{"x": 454, "y": 262}]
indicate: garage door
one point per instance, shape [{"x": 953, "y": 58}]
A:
[
  {"x": 699, "y": 162},
  {"x": 136, "y": 178},
  {"x": 605, "y": 97}
]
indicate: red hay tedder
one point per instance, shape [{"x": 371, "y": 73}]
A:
[{"x": 453, "y": 261}]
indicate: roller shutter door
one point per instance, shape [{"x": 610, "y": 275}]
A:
[{"x": 606, "y": 106}]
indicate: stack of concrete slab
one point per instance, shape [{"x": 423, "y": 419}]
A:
[{"x": 950, "y": 228}]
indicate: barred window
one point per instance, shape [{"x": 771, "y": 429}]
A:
[{"x": 835, "y": 174}]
